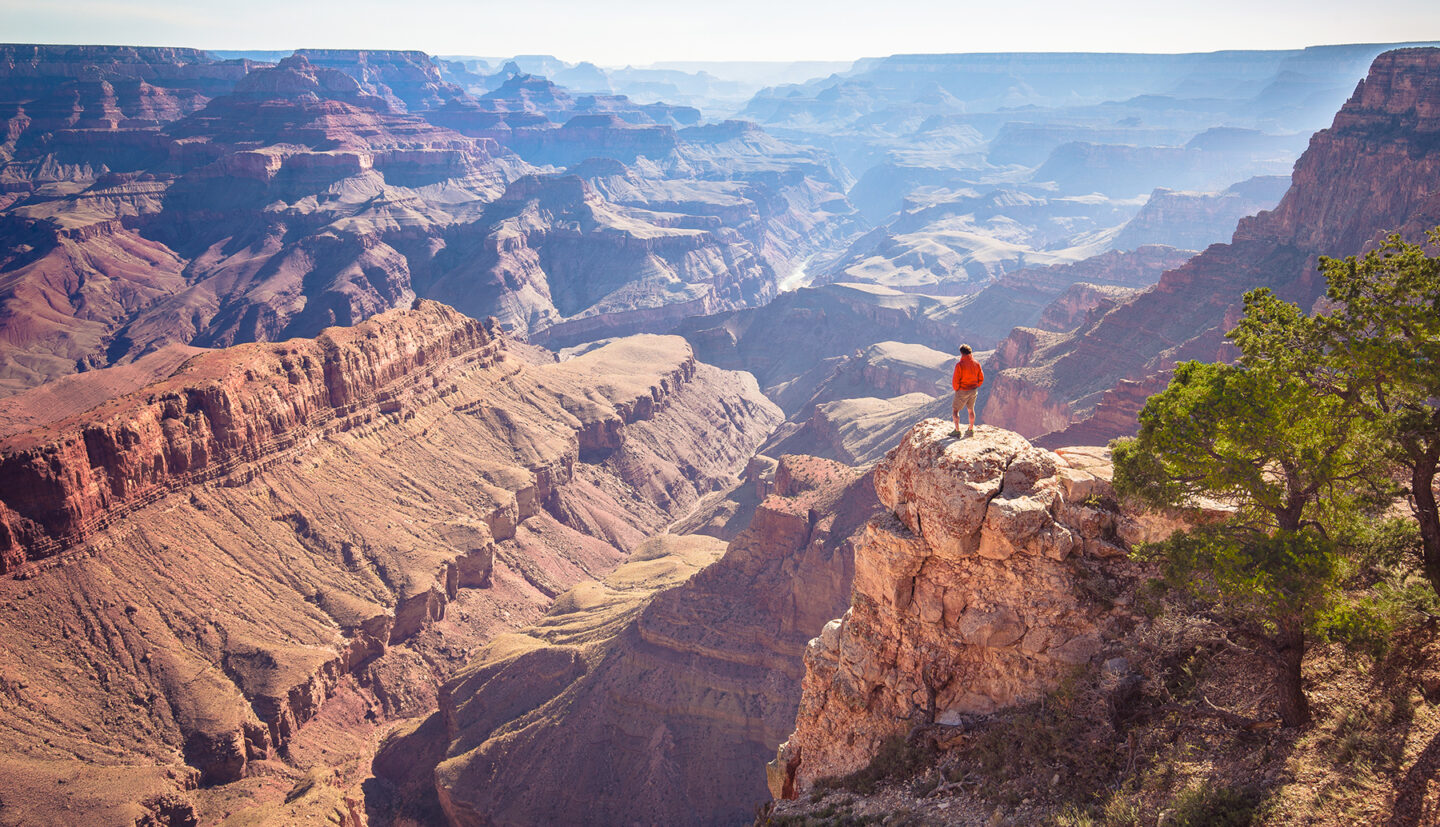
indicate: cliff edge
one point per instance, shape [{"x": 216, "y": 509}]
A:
[{"x": 979, "y": 588}]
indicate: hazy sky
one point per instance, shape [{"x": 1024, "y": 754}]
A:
[{"x": 618, "y": 32}]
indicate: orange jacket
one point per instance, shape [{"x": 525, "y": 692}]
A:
[{"x": 968, "y": 374}]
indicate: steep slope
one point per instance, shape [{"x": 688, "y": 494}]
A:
[
  {"x": 195, "y": 567},
  {"x": 1195, "y": 220},
  {"x": 666, "y": 711},
  {"x": 553, "y": 258},
  {"x": 409, "y": 81},
  {"x": 1375, "y": 170}
]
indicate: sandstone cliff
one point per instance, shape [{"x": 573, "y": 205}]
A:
[
  {"x": 661, "y": 713},
  {"x": 237, "y": 573},
  {"x": 1374, "y": 171},
  {"x": 967, "y": 595},
  {"x": 211, "y": 229}
]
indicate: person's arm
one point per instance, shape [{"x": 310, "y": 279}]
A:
[
  {"x": 955, "y": 378},
  {"x": 980, "y": 372}
]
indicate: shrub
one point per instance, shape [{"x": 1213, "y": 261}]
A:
[{"x": 1207, "y": 806}]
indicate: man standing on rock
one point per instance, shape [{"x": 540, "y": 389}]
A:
[{"x": 967, "y": 381}]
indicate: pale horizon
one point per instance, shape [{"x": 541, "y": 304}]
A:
[{"x": 645, "y": 32}]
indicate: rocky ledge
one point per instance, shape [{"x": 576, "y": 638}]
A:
[{"x": 980, "y": 588}]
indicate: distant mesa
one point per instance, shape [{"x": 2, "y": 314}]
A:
[{"x": 1374, "y": 171}]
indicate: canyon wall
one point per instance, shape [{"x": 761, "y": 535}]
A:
[
  {"x": 279, "y": 547},
  {"x": 249, "y": 202},
  {"x": 1376, "y": 170},
  {"x": 666, "y": 712}
]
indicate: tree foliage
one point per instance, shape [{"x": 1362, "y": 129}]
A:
[
  {"x": 1378, "y": 347},
  {"x": 1304, "y": 439},
  {"x": 1282, "y": 462}
]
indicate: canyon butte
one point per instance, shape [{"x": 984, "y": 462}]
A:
[{"x": 387, "y": 439}]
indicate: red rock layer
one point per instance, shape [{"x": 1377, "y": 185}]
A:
[
  {"x": 245, "y": 406},
  {"x": 322, "y": 192},
  {"x": 276, "y": 525}
]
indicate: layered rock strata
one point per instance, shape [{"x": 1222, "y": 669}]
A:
[
  {"x": 271, "y": 202},
  {"x": 1376, "y": 170},
  {"x": 198, "y": 566},
  {"x": 667, "y": 710},
  {"x": 248, "y": 406},
  {"x": 968, "y": 594},
  {"x": 1195, "y": 220}
]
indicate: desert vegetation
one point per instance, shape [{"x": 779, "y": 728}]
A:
[
  {"x": 1283, "y": 666},
  {"x": 1308, "y": 443}
]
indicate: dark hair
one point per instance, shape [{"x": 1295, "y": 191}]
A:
[{"x": 965, "y": 349}]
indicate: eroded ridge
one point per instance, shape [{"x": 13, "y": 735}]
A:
[{"x": 353, "y": 525}]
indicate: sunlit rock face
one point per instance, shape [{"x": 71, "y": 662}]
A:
[
  {"x": 216, "y": 203},
  {"x": 277, "y": 547},
  {"x": 667, "y": 707},
  {"x": 968, "y": 593}
]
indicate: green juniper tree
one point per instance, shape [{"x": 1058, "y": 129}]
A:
[
  {"x": 1284, "y": 458},
  {"x": 1377, "y": 348},
  {"x": 1380, "y": 347}
]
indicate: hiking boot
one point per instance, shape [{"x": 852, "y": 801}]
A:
[
  {"x": 969, "y": 431},
  {"x": 955, "y": 432}
]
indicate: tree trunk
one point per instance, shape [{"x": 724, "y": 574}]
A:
[
  {"x": 1422, "y": 489},
  {"x": 1289, "y": 657}
]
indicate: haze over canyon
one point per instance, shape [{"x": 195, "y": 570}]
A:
[{"x": 393, "y": 439}]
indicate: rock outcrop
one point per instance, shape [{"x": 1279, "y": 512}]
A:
[
  {"x": 1195, "y": 220},
  {"x": 62, "y": 481},
  {"x": 986, "y": 581},
  {"x": 199, "y": 568},
  {"x": 1376, "y": 170},
  {"x": 409, "y": 81}
]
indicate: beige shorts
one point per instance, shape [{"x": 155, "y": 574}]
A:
[{"x": 964, "y": 399}]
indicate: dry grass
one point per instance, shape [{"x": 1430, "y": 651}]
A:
[{"x": 1159, "y": 743}]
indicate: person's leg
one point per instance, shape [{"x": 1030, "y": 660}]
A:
[
  {"x": 955, "y": 406},
  {"x": 970, "y": 409}
]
